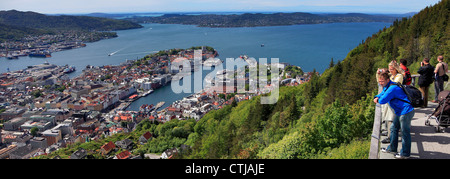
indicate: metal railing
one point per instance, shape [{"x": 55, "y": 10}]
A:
[{"x": 376, "y": 131}]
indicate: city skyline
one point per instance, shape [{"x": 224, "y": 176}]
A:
[{"x": 141, "y": 6}]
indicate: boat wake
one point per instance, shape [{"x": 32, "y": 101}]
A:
[
  {"x": 113, "y": 53},
  {"x": 124, "y": 54},
  {"x": 137, "y": 53}
]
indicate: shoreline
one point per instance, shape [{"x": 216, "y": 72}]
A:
[{"x": 47, "y": 48}]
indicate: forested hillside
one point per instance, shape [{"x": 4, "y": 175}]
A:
[
  {"x": 8, "y": 32},
  {"x": 338, "y": 110},
  {"x": 331, "y": 116},
  {"x": 259, "y": 19},
  {"x": 63, "y": 22},
  {"x": 352, "y": 81},
  {"x": 15, "y": 25}
]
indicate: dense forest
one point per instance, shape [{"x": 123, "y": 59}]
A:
[
  {"x": 16, "y": 24},
  {"x": 259, "y": 19},
  {"x": 331, "y": 116}
]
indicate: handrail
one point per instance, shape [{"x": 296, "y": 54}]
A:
[
  {"x": 413, "y": 80},
  {"x": 375, "y": 139}
]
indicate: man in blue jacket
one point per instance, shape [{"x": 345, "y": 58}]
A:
[{"x": 404, "y": 112}]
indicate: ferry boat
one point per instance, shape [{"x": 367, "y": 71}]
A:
[
  {"x": 40, "y": 55},
  {"x": 69, "y": 69}
]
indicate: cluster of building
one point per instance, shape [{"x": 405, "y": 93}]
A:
[
  {"x": 45, "y": 44},
  {"x": 43, "y": 110},
  {"x": 296, "y": 80}
]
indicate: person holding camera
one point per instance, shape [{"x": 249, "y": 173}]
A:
[{"x": 426, "y": 72}]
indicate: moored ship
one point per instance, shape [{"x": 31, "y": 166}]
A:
[
  {"x": 40, "y": 55},
  {"x": 147, "y": 108},
  {"x": 12, "y": 56},
  {"x": 147, "y": 93}
]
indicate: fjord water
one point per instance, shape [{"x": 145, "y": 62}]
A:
[{"x": 308, "y": 46}]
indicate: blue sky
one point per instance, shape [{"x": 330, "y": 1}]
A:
[{"x": 116, "y": 6}]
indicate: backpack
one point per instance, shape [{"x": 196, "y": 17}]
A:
[
  {"x": 408, "y": 78},
  {"x": 414, "y": 95},
  {"x": 445, "y": 77}
]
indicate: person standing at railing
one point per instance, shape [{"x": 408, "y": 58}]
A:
[
  {"x": 439, "y": 71},
  {"x": 395, "y": 72},
  {"x": 387, "y": 113},
  {"x": 426, "y": 72},
  {"x": 403, "y": 113}
]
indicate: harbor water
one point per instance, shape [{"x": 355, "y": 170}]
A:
[{"x": 308, "y": 46}]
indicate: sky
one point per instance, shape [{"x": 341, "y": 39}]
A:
[{"x": 125, "y": 6}]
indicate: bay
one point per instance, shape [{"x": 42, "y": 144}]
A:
[{"x": 308, "y": 46}]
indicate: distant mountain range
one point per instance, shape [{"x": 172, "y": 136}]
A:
[
  {"x": 16, "y": 24},
  {"x": 41, "y": 21},
  {"x": 263, "y": 19}
]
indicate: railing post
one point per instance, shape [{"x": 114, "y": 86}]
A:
[
  {"x": 413, "y": 79},
  {"x": 375, "y": 138}
]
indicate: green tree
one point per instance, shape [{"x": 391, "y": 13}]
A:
[
  {"x": 331, "y": 63},
  {"x": 234, "y": 103},
  {"x": 34, "y": 131}
]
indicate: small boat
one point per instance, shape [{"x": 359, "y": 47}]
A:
[
  {"x": 262, "y": 45},
  {"x": 113, "y": 53},
  {"x": 244, "y": 57},
  {"x": 12, "y": 56},
  {"x": 147, "y": 108}
]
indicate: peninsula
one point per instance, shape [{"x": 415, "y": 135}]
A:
[
  {"x": 24, "y": 33},
  {"x": 260, "y": 19}
]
